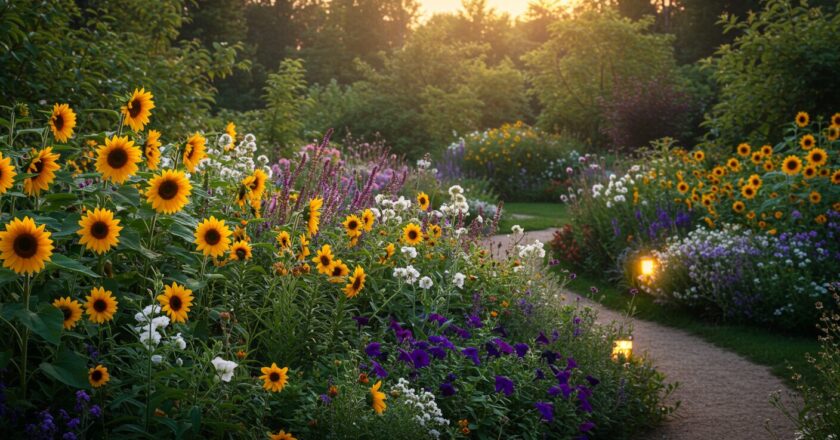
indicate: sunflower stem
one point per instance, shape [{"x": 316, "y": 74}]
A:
[{"x": 27, "y": 289}]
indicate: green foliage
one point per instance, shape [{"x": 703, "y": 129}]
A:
[
  {"x": 586, "y": 56},
  {"x": 285, "y": 97},
  {"x": 785, "y": 60}
]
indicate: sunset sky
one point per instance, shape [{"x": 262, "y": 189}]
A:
[{"x": 513, "y": 7}]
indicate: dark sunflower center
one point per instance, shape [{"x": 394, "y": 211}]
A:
[
  {"x": 175, "y": 303},
  {"x": 117, "y": 158},
  {"x": 336, "y": 271},
  {"x": 240, "y": 253},
  {"x": 412, "y": 234},
  {"x": 59, "y": 122},
  {"x": 357, "y": 283},
  {"x": 190, "y": 151},
  {"x": 352, "y": 225},
  {"x": 99, "y": 230},
  {"x": 325, "y": 260},
  {"x": 816, "y": 157},
  {"x": 254, "y": 185},
  {"x": 135, "y": 107},
  {"x": 791, "y": 165},
  {"x": 212, "y": 237},
  {"x": 274, "y": 376},
  {"x": 37, "y": 166},
  {"x": 96, "y": 375},
  {"x": 67, "y": 312},
  {"x": 25, "y": 245},
  {"x": 168, "y": 189},
  {"x": 100, "y": 305},
  {"x": 808, "y": 142}
]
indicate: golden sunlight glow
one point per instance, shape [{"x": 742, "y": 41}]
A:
[
  {"x": 512, "y": 7},
  {"x": 622, "y": 347},
  {"x": 648, "y": 266}
]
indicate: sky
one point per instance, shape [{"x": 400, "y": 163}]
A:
[{"x": 513, "y": 7}]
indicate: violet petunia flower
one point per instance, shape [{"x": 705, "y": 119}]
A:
[
  {"x": 521, "y": 349},
  {"x": 546, "y": 410},
  {"x": 373, "y": 350},
  {"x": 504, "y": 385},
  {"x": 472, "y": 353}
]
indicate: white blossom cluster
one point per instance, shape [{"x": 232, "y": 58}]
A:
[
  {"x": 457, "y": 202},
  {"x": 224, "y": 368},
  {"x": 408, "y": 274},
  {"x": 234, "y": 164},
  {"x": 150, "y": 330},
  {"x": 535, "y": 250},
  {"x": 458, "y": 280},
  {"x": 430, "y": 416}
]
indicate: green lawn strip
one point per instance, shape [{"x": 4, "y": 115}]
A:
[
  {"x": 533, "y": 216},
  {"x": 763, "y": 346}
]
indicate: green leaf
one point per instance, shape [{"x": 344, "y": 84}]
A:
[
  {"x": 66, "y": 263},
  {"x": 69, "y": 368},
  {"x": 131, "y": 239},
  {"x": 46, "y": 323},
  {"x": 7, "y": 276}
]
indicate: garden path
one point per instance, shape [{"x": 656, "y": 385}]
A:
[{"x": 722, "y": 395}]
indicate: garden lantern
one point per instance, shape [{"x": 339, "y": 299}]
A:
[{"x": 622, "y": 347}]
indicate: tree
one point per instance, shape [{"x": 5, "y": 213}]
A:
[{"x": 286, "y": 102}]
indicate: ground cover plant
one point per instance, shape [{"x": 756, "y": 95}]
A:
[{"x": 186, "y": 287}]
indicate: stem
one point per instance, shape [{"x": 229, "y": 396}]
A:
[{"x": 27, "y": 289}]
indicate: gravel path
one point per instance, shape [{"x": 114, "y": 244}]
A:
[{"x": 723, "y": 396}]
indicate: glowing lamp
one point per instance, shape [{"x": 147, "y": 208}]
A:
[
  {"x": 648, "y": 266},
  {"x": 622, "y": 347}
]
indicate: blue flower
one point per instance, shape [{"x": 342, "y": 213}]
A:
[
  {"x": 546, "y": 410},
  {"x": 420, "y": 358},
  {"x": 437, "y": 352},
  {"x": 373, "y": 350},
  {"x": 521, "y": 349},
  {"x": 472, "y": 353},
  {"x": 442, "y": 341},
  {"x": 95, "y": 411},
  {"x": 504, "y": 385},
  {"x": 474, "y": 321},
  {"x": 378, "y": 370},
  {"x": 504, "y": 347}
]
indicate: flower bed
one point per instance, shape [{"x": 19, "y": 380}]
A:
[{"x": 184, "y": 288}]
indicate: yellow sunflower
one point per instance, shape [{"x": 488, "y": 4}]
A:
[
  {"x": 100, "y": 231},
  {"x": 62, "y": 122},
  {"x": 377, "y": 398},
  {"x": 212, "y": 237},
  {"x": 71, "y": 309},
  {"x": 274, "y": 378},
  {"x": 757, "y": 157},
  {"x": 44, "y": 163},
  {"x": 835, "y": 177},
  {"x": 744, "y": 150},
  {"x": 194, "y": 151},
  {"x": 25, "y": 247},
  {"x": 356, "y": 283},
  {"x": 230, "y": 129},
  {"x": 423, "y": 201},
  {"x": 738, "y": 206},
  {"x": 802, "y": 119},
  {"x": 367, "y": 220},
  {"x": 767, "y": 150},
  {"x": 768, "y": 166},
  {"x": 7, "y": 174},
  {"x": 755, "y": 181},
  {"x": 256, "y": 184},
  {"x": 749, "y": 191},
  {"x": 304, "y": 248},
  {"x": 281, "y": 435},
  {"x": 176, "y": 301},
  {"x": 733, "y": 164},
  {"x": 169, "y": 191},
  {"x": 151, "y": 150},
  {"x": 719, "y": 171},
  {"x": 835, "y": 120},
  {"x": 412, "y": 234},
  {"x": 284, "y": 240},
  {"x": 240, "y": 251},
  {"x": 434, "y": 231},
  {"x": 791, "y": 165},
  {"x": 98, "y": 376},
  {"x": 815, "y": 197},
  {"x": 817, "y": 157},
  {"x": 338, "y": 271},
  {"x": 138, "y": 109},
  {"x": 314, "y": 215},
  {"x": 324, "y": 259},
  {"x": 699, "y": 155},
  {"x": 807, "y": 142},
  {"x": 809, "y": 172},
  {"x": 833, "y": 133},
  {"x": 118, "y": 159},
  {"x": 389, "y": 252},
  {"x": 353, "y": 226},
  {"x": 101, "y": 305}
]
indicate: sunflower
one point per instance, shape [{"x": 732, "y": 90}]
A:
[
  {"x": 138, "y": 109},
  {"x": 168, "y": 191},
  {"x": 733, "y": 164},
  {"x": 71, "y": 309},
  {"x": 434, "y": 231},
  {"x": 835, "y": 120},
  {"x": 118, "y": 159},
  {"x": 821, "y": 219},
  {"x": 194, "y": 151},
  {"x": 353, "y": 226},
  {"x": 807, "y": 142},
  {"x": 767, "y": 150},
  {"x": 755, "y": 181},
  {"x": 62, "y": 122},
  {"x": 835, "y": 177},
  {"x": 833, "y": 133},
  {"x": 356, "y": 284},
  {"x": 682, "y": 187},
  {"x": 281, "y": 435},
  {"x": 412, "y": 234},
  {"x": 817, "y": 157},
  {"x": 151, "y": 150},
  {"x": 367, "y": 220},
  {"x": 389, "y": 252},
  {"x": 699, "y": 155},
  {"x": 791, "y": 165},
  {"x": 101, "y": 305},
  {"x": 285, "y": 240},
  {"x": 324, "y": 259},
  {"x": 738, "y": 206},
  {"x": 25, "y": 247},
  {"x": 100, "y": 231},
  {"x": 304, "y": 248},
  {"x": 768, "y": 166},
  {"x": 212, "y": 237},
  {"x": 744, "y": 150},
  {"x": 757, "y": 157},
  {"x": 240, "y": 251},
  {"x": 43, "y": 165},
  {"x": 274, "y": 378},
  {"x": 7, "y": 174},
  {"x": 377, "y": 398},
  {"x": 338, "y": 271},
  {"x": 809, "y": 172},
  {"x": 719, "y": 171},
  {"x": 176, "y": 301},
  {"x": 256, "y": 185},
  {"x": 314, "y": 215},
  {"x": 748, "y": 191},
  {"x": 423, "y": 201},
  {"x": 802, "y": 119},
  {"x": 230, "y": 129},
  {"x": 98, "y": 376},
  {"x": 815, "y": 197}
]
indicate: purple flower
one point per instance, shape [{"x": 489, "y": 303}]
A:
[
  {"x": 549, "y": 356},
  {"x": 538, "y": 374},
  {"x": 521, "y": 349},
  {"x": 592, "y": 381},
  {"x": 420, "y": 358},
  {"x": 437, "y": 352},
  {"x": 440, "y": 319},
  {"x": 504, "y": 347},
  {"x": 95, "y": 411},
  {"x": 501, "y": 330},
  {"x": 378, "y": 370},
  {"x": 492, "y": 351},
  {"x": 361, "y": 321},
  {"x": 69, "y": 436},
  {"x": 325, "y": 398},
  {"x": 586, "y": 426},
  {"x": 405, "y": 356},
  {"x": 474, "y": 321},
  {"x": 447, "y": 389},
  {"x": 73, "y": 423},
  {"x": 442, "y": 341},
  {"x": 373, "y": 350},
  {"x": 571, "y": 364},
  {"x": 557, "y": 390},
  {"x": 504, "y": 385},
  {"x": 546, "y": 410},
  {"x": 542, "y": 339},
  {"x": 472, "y": 353}
]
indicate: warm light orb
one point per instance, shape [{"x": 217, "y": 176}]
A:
[
  {"x": 622, "y": 347},
  {"x": 648, "y": 266}
]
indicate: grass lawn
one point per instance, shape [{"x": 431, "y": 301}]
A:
[
  {"x": 533, "y": 216},
  {"x": 773, "y": 349}
]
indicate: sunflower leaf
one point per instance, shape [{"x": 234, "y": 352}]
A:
[
  {"x": 62, "y": 262},
  {"x": 46, "y": 323},
  {"x": 69, "y": 368}
]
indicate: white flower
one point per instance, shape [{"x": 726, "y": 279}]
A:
[
  {"x": 455, "y": 190},
  {"x": 423, "y": 164},
  {"x": 250, "y": 138},
  {"x": 179, "y": 362},
  {"x": 178, "y": 341},
  {"x": 148, "y": 338},
  {"x": 426, "y": 283},
  {"x": 147, "y": 312},
  {"x": 517, "y": 230},
  {"x": 224, "y": 369},
  {"x": 458, "y": 280},
  {"x": 156, "y": 358},
  {"x": 410, "y": 251}
]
